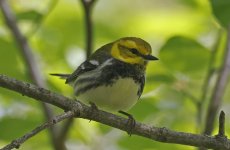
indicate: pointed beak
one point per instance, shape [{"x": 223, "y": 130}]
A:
[{"x": 149, "y": 57}]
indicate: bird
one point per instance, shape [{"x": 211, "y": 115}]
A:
[{"x": 113, "y": 77}]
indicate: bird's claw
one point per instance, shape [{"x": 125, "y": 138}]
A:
[
  {"x": 93, "y": 108},
  {"x": 131, "y": 123}
]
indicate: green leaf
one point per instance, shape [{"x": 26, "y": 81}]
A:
[
  {"x": 31, "y": 15},
  {"x": 221, "y": 9},
  {"x": 185, "y": 55}
]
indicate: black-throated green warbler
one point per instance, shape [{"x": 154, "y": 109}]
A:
[{"x": 113, "y": 77}]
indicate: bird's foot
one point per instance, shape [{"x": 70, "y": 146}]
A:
[
  {"x": 93, "y": 109},
  {"x": 131, "y": 123}
]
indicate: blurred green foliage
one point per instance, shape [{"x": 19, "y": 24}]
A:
[
  {"x": 221, "y": 11},
  {"x": 183, "y": 34}
]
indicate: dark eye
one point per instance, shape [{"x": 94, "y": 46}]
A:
[{"x": 134, "y": 51}]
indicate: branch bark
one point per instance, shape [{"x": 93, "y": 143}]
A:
[{"x": 83, "y": 111}]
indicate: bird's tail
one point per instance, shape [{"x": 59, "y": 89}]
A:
[{"x": 62, "y": 76}]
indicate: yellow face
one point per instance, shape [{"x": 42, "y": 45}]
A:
[{"x": 132, "y": 50}]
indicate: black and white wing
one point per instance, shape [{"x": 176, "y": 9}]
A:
[
  {"x": 96, "y": 60},
  {"x": 86, "y": 66}
]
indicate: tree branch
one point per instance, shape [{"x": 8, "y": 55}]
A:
[
  {"x": 218, "y": 91},
  {"x": 16, "y": 143},
  {"x": 83, "y": 111}
]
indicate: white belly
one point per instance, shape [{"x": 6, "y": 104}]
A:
[{"x": 122, "y": 95}]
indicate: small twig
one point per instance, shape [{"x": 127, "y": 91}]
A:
[
  {"x": 88, "y": 5},
  {"x": 221, "y": 132},
  {"x": 16, "y": 143}
]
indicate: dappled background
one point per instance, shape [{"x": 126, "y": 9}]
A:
[{"x": 184, "y": 34}]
